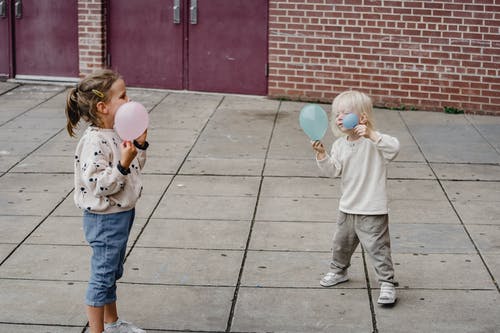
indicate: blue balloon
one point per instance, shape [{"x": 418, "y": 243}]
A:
[
  {"x": 350, "y": 121},
  {"x": 313, "y": 121}
]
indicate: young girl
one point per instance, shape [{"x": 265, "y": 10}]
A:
[
  {"x": 360, "y": 158},
  {"x": 107, "y": 186}
]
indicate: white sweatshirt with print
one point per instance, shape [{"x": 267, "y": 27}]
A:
[
  {"x": 362, "y": 166},
  {"x": 99, "y": 186}
]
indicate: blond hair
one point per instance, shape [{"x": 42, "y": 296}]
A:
[
  {"x": 81, "y": 102},
  {"x": 356, "y": 102}
]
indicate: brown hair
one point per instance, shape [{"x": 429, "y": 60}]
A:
[{"x": 81, "y": 102}]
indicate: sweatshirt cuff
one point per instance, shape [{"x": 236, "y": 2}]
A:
[{"x": 123, "y": 171}]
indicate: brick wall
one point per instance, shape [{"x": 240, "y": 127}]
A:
[
  {"x": 91, "y": 35},
  {"x": 419, "y": 54}
]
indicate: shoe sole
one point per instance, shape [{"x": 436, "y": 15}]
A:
[
  {"x": 336, "y": 283},
  {"x": 387, "y": 303}
]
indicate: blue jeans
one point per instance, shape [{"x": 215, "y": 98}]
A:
[{"x": 107, "y": 235}]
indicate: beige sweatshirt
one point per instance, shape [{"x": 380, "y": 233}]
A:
[
  {"x": 99, "y": 186},
  {"x": 361, "y": 164}
]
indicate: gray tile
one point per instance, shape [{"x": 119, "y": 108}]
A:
[
  {"x": 215, "y": 186},
  {"x": 415, "y": 190},
  {"x": 430, "y": 238},
  {"x": 292, "y": 187},
  {"x": 409, "y": 170},
  {"x": 200, "y": 234},
  {"x": 486, "y": 237},
  {"x": 16, "y": 228},
  {"x": 297, "y": 209},
  {"x": 478, "y": 212},
  {"x": 54, "y": 302},
  {"x": 222, "y": 166},
  {"x": 472, "y": 172},
  {"x": 465, "y": 190},
  {"x": 48, "y": 262},
  {"x": 438, "y": 271},
  {"x": 493, "y": 264},
  {"x": 422, "y": 211},
  {"x": 205, "y": 207},
  {"x": 5, "y": 250},
  {"x": 47, "y": 183},
  {"x": 183, "y": 267},
  {"x": 292, "y": 236},
  {"x": 39, "y": 329},
  {"x": 443, "y": 311},
  {"x": 296, "y": 270},
  {"x": 29, "y": 203},
  {"x": 302, "y": 310},
  {"x": 46, "y": 164},
  {"x": 155, "y": 184},
  {"x": 175, "y": 307},
  {"x": 291, "y": 168}
]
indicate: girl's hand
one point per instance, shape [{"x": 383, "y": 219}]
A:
[
  {"x": 364, "y": 131},
  {"x": 142, "y": 139},
  {"x": 319, "y": 149},
  {"x": 128, "y": 153}
]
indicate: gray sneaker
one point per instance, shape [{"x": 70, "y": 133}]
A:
[
  {"x": 121, "y": 326},
  {"x": 387, "y": 294},
  {"x": 331, "y": 279}
]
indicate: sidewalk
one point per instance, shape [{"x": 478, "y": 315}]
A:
[{"x": 234, "y": 228}]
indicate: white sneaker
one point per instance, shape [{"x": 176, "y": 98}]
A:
[
  {"x": 121, "y": 326},
  {"x": 331, "y": 279},
  {"x": 387, "y": 294}
]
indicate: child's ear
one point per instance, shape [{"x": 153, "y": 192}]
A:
[
  {"x": 101, "y": 107},
  {"x": 363, "y": 119}
]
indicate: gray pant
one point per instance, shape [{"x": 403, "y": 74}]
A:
[{"x": 373, "y": 233}]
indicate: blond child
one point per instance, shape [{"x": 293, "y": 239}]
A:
[
  {"x": 359, "y": 158},
  {"x": 107, "y": 187}
]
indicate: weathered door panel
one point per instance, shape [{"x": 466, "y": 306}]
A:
[
  {"x": 145, "y": 45},
  {"x": 4, "y": 38},
  {"x": 46, "y": 37},
  {"x": 228, "y": 46}
]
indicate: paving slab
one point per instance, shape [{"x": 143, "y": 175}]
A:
[
  {"x": 45, "y": 164},
  {"x": 429, "y": 238},
  {"x": 437, "y": 271},
  {"x": 15, "y": 228},
  {"x": 297, "y": 209},
  {"x": 162, "y": 165},
  {"x": 6, "y": 86},
  {"x": 466, "y": 190},
  {"x": 493, "y": 264},
  {"x": 52, "y": 183},
  {"x": 183, "y": 267},
  {"x": 49, "y": 302},
  {"x": 478, "y": 212},
  {"x": 443, "y": 311},
  {"x": 222, "y": 166},
  {"x": 215, "y": 186},
  {"x": 414, "y": 190},
  {"x": 39, "y": 329},
  {"x": 282, "y": 269},
  {"x": 292, "y": 236},
  {"x": 486, "y": 237},
  {"x": 291, "y": 167},
  {"x": 195, "y": 234},
  {"x": 422, "y": 211},
  {"x": 48, "y": 262},
  {"x": 8, "y": 161},
  {"x": 29, "y": 203},
  {"x": 409, "y": 170},
  {"x": 176, "y": 307},
  {"x": 293, "y": 187},
  {"x": 205, "y": 207},
  {"x": 5, "y": 250},
  {"x": 475, "y": 172},
  {"x": 302, "y": 310}
]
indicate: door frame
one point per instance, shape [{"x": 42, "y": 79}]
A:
[{"x": 10, "y": 50}]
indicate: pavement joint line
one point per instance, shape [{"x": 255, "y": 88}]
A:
[
  {"x": 478, "y": 252},
  {"x": 247, "y": 245},
  {"x": 35, "y": 228},
  {"x": 481, "y": 134},
  {"x": 33, "y": 107},
  {"x": 10, "y": 89},
  {"x": 369, "y": 290}
]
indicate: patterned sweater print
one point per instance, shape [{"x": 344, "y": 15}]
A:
[{"x": 99, "y": 186}]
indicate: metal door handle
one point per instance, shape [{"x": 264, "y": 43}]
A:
[
  {"x": 193, "y": 12},
  {"x": 3, "y": 9},
  {"x": 177, "y": 11},
  {"x": 18, "y": 8}
]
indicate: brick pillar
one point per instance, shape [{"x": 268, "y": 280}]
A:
[{"x": 91, "y": 35}]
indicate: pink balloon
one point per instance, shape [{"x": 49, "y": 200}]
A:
[{"x": 131, "y": 120}]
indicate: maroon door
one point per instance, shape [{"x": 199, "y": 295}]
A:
[
  {"x": 228, "y": 46},
  {"x": 4, "y": 39},
  {"x": 46, "y": 37},
  {"x": 206, "y": 45},
  {"x": 145, "y": 45}
]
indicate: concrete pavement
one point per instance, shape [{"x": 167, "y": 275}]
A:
[{"x": 234, "y": 228}]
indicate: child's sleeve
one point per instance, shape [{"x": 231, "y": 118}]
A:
[
  {"x": 389, "y": 146},
  {"x": 330, "y": 166},
  {"x": 98, "y": 173}
]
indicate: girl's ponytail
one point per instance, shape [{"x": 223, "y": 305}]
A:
[{"x": 72, "y": 112}]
